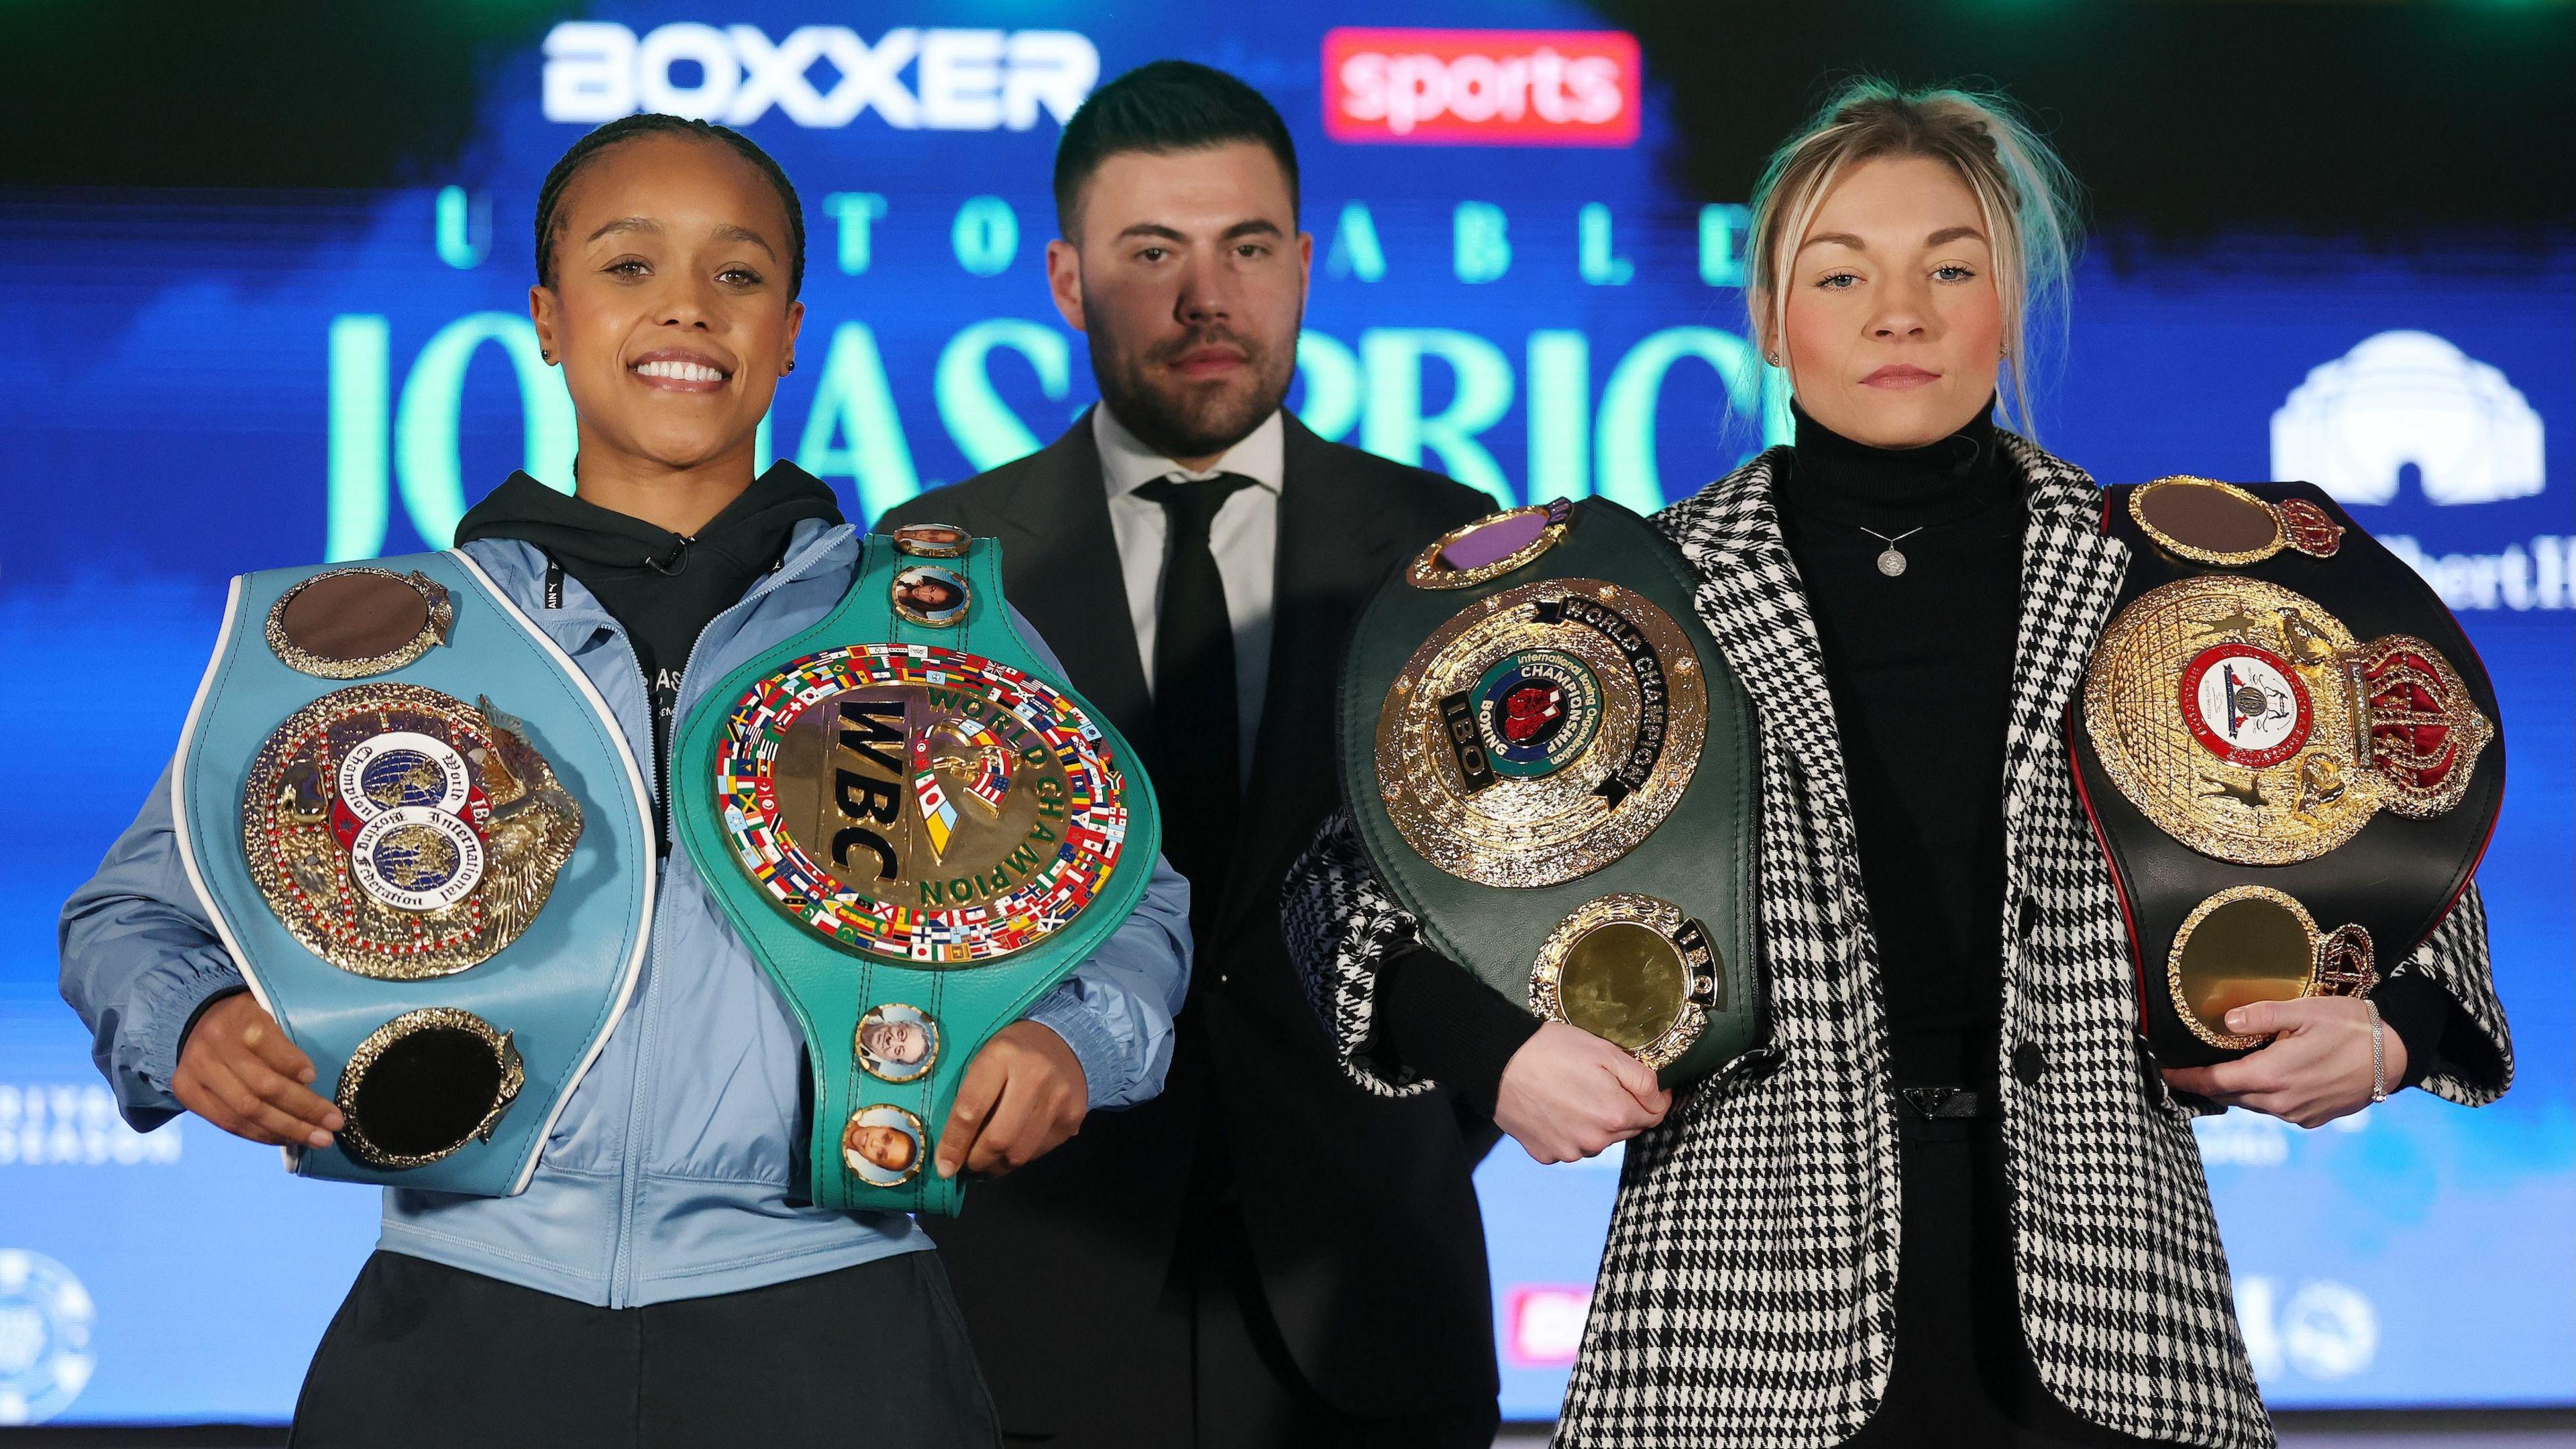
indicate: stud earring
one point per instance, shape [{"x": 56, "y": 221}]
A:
[
  {"x": 549, "y": 357},
  {"x": 791, "y": 364}
]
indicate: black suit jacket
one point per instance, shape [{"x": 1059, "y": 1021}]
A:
[{"x": 1359, "y": 1209}]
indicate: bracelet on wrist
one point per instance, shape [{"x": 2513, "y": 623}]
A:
[{"x": 2378, "y": 1052}]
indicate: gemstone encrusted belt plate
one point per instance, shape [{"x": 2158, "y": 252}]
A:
[{"x": 1552, "y": 766}]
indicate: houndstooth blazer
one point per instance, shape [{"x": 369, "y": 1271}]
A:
[{"x": 1746, "y": 1295}]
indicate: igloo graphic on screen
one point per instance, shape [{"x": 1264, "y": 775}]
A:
[{"x": 2409, "y": 397}]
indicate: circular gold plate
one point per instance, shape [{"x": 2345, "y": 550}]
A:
[
  {"x": 1478, "y": 798},
  {"x": 920, "y": 805},
  {"x": 884, "y": 1146},
  {"x": 1633, "y": 971},
  {"x": 2160, "y": 701}
]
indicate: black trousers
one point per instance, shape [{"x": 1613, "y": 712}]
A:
[
  {"x": 1963, "y": 1374},
  {"x": 422, "y": 1354},
  {"x": 1246, "y": 1391},
  {"x": 1209, "y": 1368}
]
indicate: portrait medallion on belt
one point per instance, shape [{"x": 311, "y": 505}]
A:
[
  {"x": 883, "y": 1145},
  {"x": 932, "y": 540},
  {"x": 2246, "y": 722},
  {"x": 1542, "y": 733},
  {"x": 920, "y": 805},
  {"x": 931, "y": 596},
  {"x": 400, "y": 833}
]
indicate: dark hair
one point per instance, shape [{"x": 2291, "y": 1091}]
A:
[
  {"x": 1165, "y": 106},
  {"x": 654, "y": 123}
]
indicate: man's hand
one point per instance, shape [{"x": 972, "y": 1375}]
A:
[
  {"x": 1567, "y": 1095},
  {"x": 2316, "y": 1069},
  {"x": 1024, "y": 1094},
  {"x": 238, "y": 1071}
]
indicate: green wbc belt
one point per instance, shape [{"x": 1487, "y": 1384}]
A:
[
  {"x": 1552, "y": 766},
  {"x": 918, "y": 829}
]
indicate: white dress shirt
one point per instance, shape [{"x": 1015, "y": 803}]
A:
[{"x": 1244, "y": 537}]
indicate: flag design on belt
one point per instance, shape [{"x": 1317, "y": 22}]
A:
[{"x": 938, "y": 817}]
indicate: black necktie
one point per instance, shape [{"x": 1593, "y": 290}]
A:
[{"x": 1198, "y": 767}]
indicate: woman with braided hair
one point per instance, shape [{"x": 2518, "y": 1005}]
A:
[
  {"x": 665, "y": 1276},
  {"x": 1951, "y": 1201}
]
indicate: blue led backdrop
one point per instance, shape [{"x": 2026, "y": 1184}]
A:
[{"x": 1507, "y": 288}]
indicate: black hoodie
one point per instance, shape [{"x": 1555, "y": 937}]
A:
[{"x": 661, "y": 587}]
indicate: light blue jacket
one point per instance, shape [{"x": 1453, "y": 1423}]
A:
[{"x": 675, "y": 1170}]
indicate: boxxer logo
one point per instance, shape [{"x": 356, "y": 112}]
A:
[{"x": 818, "y": 75}]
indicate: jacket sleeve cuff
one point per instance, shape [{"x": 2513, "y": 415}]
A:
[
  {"x": 2420, "y": 1013},
  {"x": 167, "y": 1004},
  {"x": 1104, "y": 1065},
  {"x": 1440, "y": 1019}
]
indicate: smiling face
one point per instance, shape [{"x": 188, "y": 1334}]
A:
[
  {"x": 1893, "y": 329},
  {"x": 890, "y": 1148},
  {"x": 1189, "y": 280},
  {"x": 670, "y": 310}
]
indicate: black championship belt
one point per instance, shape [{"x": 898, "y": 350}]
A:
[
  {"x": 2289, "y": 751},
  {"x": 1553, "y": 768}
]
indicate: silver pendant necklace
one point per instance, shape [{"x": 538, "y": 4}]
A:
[{"x": 1890, "y": 563}]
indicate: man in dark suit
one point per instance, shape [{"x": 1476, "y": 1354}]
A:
[{"x": 1265, "y": 1254}]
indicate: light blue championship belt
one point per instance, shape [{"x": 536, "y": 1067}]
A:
[
  {"x": 425, "y": 842},
  {"x": 918, "y": 829}
]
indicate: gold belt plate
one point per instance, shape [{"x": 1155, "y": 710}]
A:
[
  {"x": 920, "y": 805},
  {"x": 2245, "y": 721},
  {"x": 400, "y": 833},
  {"x": 1633, "y": 970},
  {"x": 1541, "y": 734}
]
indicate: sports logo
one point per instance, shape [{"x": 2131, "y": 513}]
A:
[
  {"x": 1545, "y": 1323},
  {"x": 1482, "y": 87},
  {"x": 975, "y": 758},
  {"x": 45, "y": 1353},
  {"x": 2409, "y": 397}
]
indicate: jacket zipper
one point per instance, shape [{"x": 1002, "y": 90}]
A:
[{"x": 621, "y": 1287}]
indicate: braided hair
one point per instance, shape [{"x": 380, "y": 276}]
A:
[{"x": 653, "y": 123}]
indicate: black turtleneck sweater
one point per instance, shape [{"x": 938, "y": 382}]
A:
[
  {"x": 662, "y": 588},
  {"x": 1920, "y": 666}
]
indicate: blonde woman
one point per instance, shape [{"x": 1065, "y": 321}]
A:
[{"x": 1802, "y": 1254}]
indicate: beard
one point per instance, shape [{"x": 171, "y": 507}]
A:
[{"x": 1182, "y": 419}]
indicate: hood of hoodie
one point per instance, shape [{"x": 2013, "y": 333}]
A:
[
  {"x": 662, "y": 588},
  {"x": 588, "y": 539}
]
